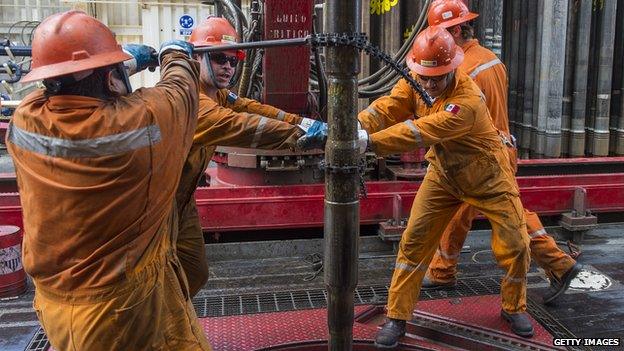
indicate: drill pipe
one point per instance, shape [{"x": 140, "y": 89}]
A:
[{"x": 342, "y": 211}]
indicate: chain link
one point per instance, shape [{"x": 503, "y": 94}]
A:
[
  {"x": 360, "y": 42},
  {"x": 360, "y": 170}
]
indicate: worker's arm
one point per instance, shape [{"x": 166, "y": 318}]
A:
[
  {"x": 455, "y": 121},
  {"x": 389, "y": 110},
  {"x": 173, "y": 101},
  {"x": 218, "y": 125},
  {"x": 241, "y": 104}
]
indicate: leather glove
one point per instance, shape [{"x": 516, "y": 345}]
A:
[
  {"x": 143, "y": 57},
  {"x": 176, "y": 45},
  {"x": 315, "y": 135}
]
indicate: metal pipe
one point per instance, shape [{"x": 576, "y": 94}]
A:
[
  {"x": 579, "y": 94},
  {"x": 537, "y": 138},
  {"x": 519, "y": 61},
  {"x": 529, "y": 75},
  {"x": 605, "y": 71},
  {"x": 256, "y": 45},
  {"x": 513, "y": 70},
  {"x": 551, "y": 75},
  {"x": 619, "y": 52},
  {"x": 342, "y": 213},
  {"x": 16, "y": 51},
  {"x": 568, "y": 75}
]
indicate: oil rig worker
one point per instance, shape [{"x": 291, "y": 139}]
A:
[
  {"x": 224, "y": 119},
  {"x": 468, "y": 163},
  {"x": 97, "y": 168},
  {"x": 490, "y": 74}
]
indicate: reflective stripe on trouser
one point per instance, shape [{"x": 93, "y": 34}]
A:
[
  {"x": 544, "y": 249},
  {"x": 433, "y": 207},
  {"x": 149, "y": 312},
  {"x": 190, "y": 248},
  {"x": 443, "y": 267}
]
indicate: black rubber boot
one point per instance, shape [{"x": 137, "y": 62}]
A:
[
  {"x": 428, "y": 284},
  {"x": 520, "y": 323},
  {"x": 558, "y": 287},
  {"x": 388, "y": 336}
]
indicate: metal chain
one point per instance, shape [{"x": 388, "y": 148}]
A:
[
  {"x": 360, "y": 170},
  {"x": 360, "y": 42}
]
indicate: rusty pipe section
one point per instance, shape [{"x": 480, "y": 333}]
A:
[{"x": 342, "y": 214}]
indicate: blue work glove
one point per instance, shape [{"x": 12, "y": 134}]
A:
[
  {"x": 176, "y": 45},
  {"x": 315, "y": 135},
  {"x": 143, "y": 57},
  {"x": 5, "y": 111}
]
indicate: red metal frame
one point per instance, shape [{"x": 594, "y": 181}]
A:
[
  {"x": 478, "y": 316},
  {"x": 299, "y": 206}
]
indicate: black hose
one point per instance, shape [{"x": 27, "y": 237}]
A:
[{"x": 320, "y": 75}]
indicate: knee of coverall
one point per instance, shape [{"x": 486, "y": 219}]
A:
[{"x": 190, "y": 249}]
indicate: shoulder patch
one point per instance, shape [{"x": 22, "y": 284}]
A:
[
  {"x": 231, "y": 97},
  {"x": 452, "y": 108}
]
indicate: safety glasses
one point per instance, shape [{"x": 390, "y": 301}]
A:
[
  {"x": 435, "y": 79},
  {"x": 221, "y": 58}
]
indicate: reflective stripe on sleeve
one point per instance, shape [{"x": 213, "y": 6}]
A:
[
  {"x": 483, "y": 67},
  {"x": 258, "y": 133},
  {"x": 95, "y": 147},
  {"x": 280, "y": 115},
  {"x": 414, "y": 130}
]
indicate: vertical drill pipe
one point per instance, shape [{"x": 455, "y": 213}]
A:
[
  {"x": 619, "y": 51},
  {"x": 579, "y": 94},
  {"x": 529, "y": 75},
  {"x": 537, "y": 147},
  {"x": 605, "y": 71},
  {"x": 568, "y": 78},
  {"x": 616, "y": 90},
  {"x": 551, "y": 75},
  {"x": 520, "y": 62},
  {"x": 341, "y": 187},
  {"x": 497, "y": 19},
  {"x": 513, "y": 70}
]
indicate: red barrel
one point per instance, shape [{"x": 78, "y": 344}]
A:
[{"x": 12, "y": 275}]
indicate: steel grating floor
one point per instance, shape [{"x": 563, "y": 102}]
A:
[{"x": 286, "y": 301}]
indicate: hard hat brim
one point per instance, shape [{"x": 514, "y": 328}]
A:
[
  {"x": 438, "y": 70},
  {"x": 69, "y": 67},
  {"x": 459, "y": 20}
]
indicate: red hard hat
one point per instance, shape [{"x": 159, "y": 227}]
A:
[
  {"x": 70, "y": 42},
  {"x": 448, "y": 13},
  {"x": 434, "y": 53},
  {"x": 215, "y": 31}
]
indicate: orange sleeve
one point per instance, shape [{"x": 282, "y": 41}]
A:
[
  {"x": 218, "y": 125},
  {"x": 454, "y": 121},
  {"x": 389, "y": 110},
  {"x": 240, "y": 104}
]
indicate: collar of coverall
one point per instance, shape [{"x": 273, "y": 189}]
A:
[
  {"x": 449, "y": 89},
  {"x": 469, "y": 44},
  {"x": 62, "y": 102}
]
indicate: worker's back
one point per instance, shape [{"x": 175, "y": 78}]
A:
[
  {"x": 490, "y": 74},
  {"x": 97, "y": 178}
]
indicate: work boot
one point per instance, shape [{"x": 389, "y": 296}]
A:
[
  {"x": 388, "y": 336},
  {"x": 520, "y": 323},
  {"x": 559, "y": 286},
  {"x": 428, "y": 284}
]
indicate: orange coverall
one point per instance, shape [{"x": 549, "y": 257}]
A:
[
  {"x": 230, "y": 121},
  {"x": 97, "y": 182},
  {"x": 491, "y": 76},
  {"x": 467, "y": 163}
]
